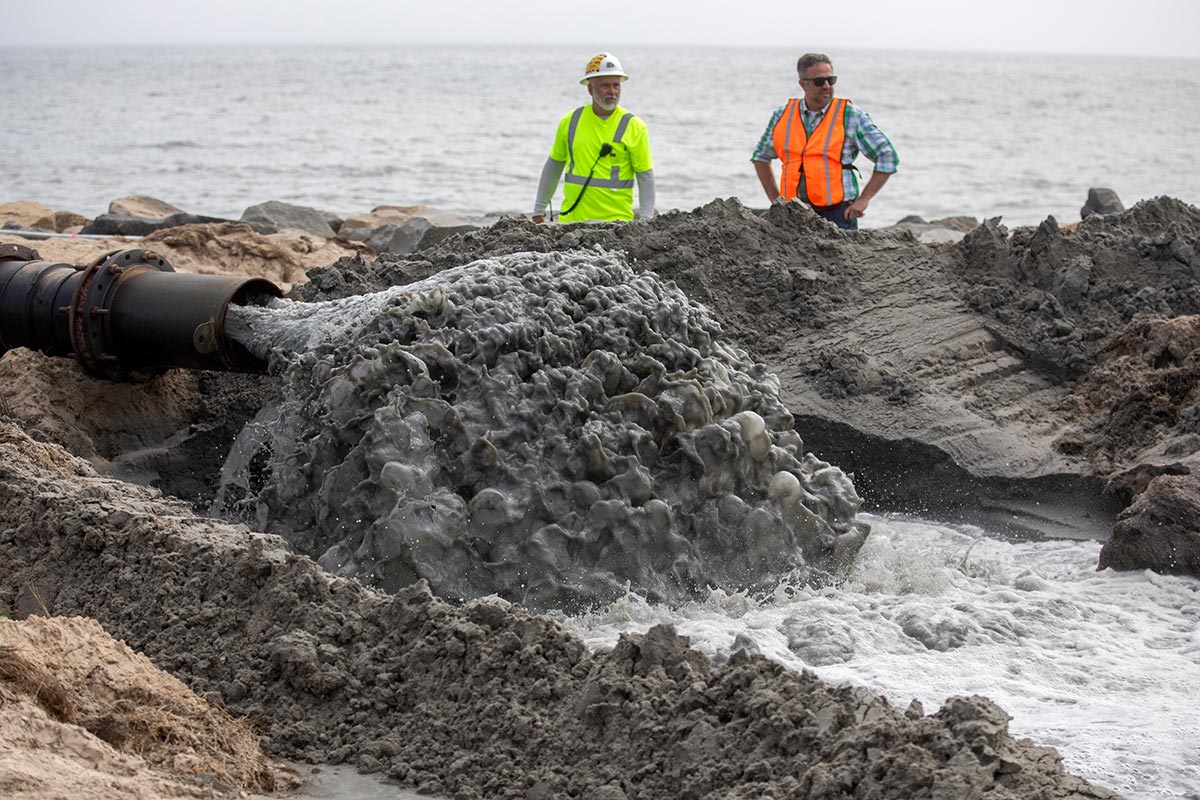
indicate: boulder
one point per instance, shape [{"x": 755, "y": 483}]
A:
[
  {"x": 69, "y": 222},
  {"x": 140, "y": 205},
  {"x": 124, "y": 225},
  {"x": 26, "y": 214},
  {"x": 274, "y": 216},
  {"x": 381, "y": 214},
  {"x": 1160, "y": 531},
  {"x": 333, "y": 220},
  {"x": 399, "y": 238},
  {"x": 1101, "y": 201},
  {"x": 415, "y": 233},
  {"x": 352, "y": 230},
  {"x": 401, "y": 230},
  {"x": 361, "y": 227}
]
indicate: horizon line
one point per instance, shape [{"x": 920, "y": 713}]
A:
[{"x": 985, "y": 50}]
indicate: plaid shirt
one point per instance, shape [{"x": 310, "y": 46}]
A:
[{"x": 862, "y": 135}]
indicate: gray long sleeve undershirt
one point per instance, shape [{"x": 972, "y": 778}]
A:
[
  {"x": 552, "y": 170},
  {"x": 645, "y": 181}
]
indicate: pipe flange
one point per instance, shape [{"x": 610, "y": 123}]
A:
[
  {"x": 91, "y": 334},
  {"x": 18, "y": 252}
]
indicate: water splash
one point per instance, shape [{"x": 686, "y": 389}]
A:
[{"x": 1101, "y": 665}]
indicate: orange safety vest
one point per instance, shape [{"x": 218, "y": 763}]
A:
[{"x": 815, "y": 160}]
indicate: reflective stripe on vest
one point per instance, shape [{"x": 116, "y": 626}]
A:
[
  {"x": 815, "y": 159},
  {"x": 614, "y": 180}
]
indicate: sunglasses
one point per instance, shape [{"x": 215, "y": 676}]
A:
[{"x": 820, "y": 82}]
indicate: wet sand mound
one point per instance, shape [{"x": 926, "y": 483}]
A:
[
  {"x": 552, "y": 428},
  {"x": 960, "y": 357}
]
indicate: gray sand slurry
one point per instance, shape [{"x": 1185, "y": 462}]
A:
[
  {"x": 983, "y": 360},
  {"x": 550, "y": 428}
]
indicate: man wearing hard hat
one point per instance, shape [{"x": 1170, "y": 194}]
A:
[{"x": 604, "y": 150}]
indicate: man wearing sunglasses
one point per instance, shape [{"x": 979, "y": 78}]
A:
[{"x": 817, "y": 137}]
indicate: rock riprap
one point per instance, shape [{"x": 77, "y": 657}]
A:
[{"x": 554, "y": 428}]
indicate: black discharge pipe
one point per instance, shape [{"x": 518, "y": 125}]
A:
[{"x": 128, "y": 316}]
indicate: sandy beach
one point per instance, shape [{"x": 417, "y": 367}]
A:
[{"x": 149, "y": 648}]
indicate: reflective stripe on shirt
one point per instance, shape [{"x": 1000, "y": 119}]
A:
[
  {"x": 614, "y": 180},
  {"x": 862, "y": 135}
]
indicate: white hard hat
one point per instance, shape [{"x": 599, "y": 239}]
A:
[{"x": 602, "y": 65}]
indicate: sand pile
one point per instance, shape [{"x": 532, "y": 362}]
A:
[
  {"x": 968, "y": 358},
  {"x": 964, "y": 358},
  {"x": 85, "y": 717}
]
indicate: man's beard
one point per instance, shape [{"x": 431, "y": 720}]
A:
[{"x": 607, "y": 105}]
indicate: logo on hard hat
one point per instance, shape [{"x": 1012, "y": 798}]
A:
[{"x": 601, "y": 65}]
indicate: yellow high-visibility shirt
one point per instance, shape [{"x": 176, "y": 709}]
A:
[{"x": 609, "y": 195}]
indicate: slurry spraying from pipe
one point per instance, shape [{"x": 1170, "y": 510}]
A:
[{"x": 553, "y": 428}]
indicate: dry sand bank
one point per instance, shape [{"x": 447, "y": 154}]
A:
[{"x": 86, "y": 717}]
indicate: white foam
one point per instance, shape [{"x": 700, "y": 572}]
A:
[{"x": 1101, "y": 665}]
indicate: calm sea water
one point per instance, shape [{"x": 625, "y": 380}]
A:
[
  {"x": 344, "y": 128},
  {"x": 1101, "y": 665}
]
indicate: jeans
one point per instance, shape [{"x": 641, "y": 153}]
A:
[{"x": 836, "y": 215}]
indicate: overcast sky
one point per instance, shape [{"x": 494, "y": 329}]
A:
[{"x": 1124, "y": 27}]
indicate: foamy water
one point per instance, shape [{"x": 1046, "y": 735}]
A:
[{"x": 1102, "y": 665}]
